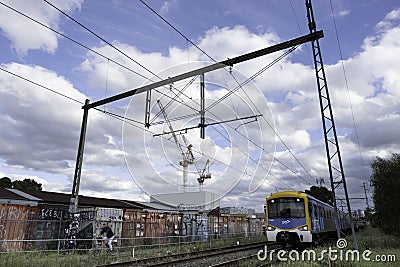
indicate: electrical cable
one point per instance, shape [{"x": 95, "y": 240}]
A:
[
  {"x": 119, "y": 117},
  {"x": 74, "y": 41},
  {"x": 295, "y": 16},
  {"x": 348, "y": 90},
  {"x": 116, "y": 116},
  {"x": 108, "y": 43},
  {"x": 40, "y": 85},
  {"x": 129, "y": 122},
  {"x": 179, "y": 32},
  {"x": 102, "y": 40}
]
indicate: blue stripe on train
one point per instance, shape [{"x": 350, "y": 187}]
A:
[{"x": 288, "y": 223}]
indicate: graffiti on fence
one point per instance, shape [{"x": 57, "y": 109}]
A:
[
  {"x": 53, "y": 213},
  {"x": 13, "y": 225},
  {"x": 195, "y": 225}
]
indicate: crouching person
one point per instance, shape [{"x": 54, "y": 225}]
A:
[{"x": 108, "y": 235}]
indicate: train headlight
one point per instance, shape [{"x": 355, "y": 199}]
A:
[
  {"x": 270, "y": 228},
  {"x": 303, "y": 228}
]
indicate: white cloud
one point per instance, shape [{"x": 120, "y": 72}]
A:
[
  {"x": 25, "y": 34},
  {"x": 168, "y": 5},
  {"x": 298, "y": 116},
  {"x": 393, "y": 15},
  {"x": 43, "y": 129},
  {"x": 343, "y": 13}
]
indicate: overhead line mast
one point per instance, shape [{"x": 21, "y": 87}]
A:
[
  {"x": 335, "y": 165},
  {"x": 228, "y": 62}
]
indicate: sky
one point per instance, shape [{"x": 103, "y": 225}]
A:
[{"x": 266, "y": 133}]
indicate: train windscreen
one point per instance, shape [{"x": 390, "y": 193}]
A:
[{"x": 288, "y": 207}]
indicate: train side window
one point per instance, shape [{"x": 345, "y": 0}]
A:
[{"x": 315, "y": 211}]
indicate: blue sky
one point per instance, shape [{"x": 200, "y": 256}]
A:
[{"x": 41, "y": 129}]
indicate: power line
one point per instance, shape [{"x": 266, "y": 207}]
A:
[
  {"x": 92, "y": 32},
  {"x": 110, "y": 44},
  {"x": 257, "y": 145},
  {"x": 295, "y": 16},
  {"x": 188, "y": 40},
  {"x": 40, "y": 85},
  {"x": 72, "y": 40},
  {"x": 240, "y": 85},
  {"x": 253, "y": 77},
  {"x": 111, "y": 114},
  {"x": 101, "y": 38},
  {"x": 179, "y": 32},
  {"x": 93, "y": 51},
  {"x": 348, "y": 91},
  {"x": 131, "y": 121}
]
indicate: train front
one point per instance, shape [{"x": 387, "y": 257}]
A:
[{"x": 287, "y": 219}]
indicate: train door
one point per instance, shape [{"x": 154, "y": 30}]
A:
[
  {"x": 321, "y": 217},
  {"x": 312, "y": 207}
]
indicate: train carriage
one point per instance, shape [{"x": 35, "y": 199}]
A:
[{"x": 297, "y": 218}]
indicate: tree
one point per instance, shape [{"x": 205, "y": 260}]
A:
[
  {"x": 321, "y": 193},
  {"x": 27, "y": 184},
  {"x": 5, "y": 182},
  {"x": 385, "y": 179}
]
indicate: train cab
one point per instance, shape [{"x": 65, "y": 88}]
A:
[
  {"x": 296, "y": 218},
  {"x": 287, "y": 218}
]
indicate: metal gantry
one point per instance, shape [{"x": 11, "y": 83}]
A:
[
  {"x": 335, "y": 165},
  {"x": 312, "y": 36}
]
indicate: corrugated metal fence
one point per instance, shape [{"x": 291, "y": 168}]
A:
[{"x": 24, "y": 228}]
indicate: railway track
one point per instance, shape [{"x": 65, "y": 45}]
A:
[
  {"x": 211, "y": 257},
  {"x": 251, "y": 258}
]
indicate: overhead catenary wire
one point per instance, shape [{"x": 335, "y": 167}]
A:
[
  {"x": 178, "y": 31},
  {"x": 129, "y": 122},
  {"x": 295, "y": 16},
  {"x": 181, "y": 101},
  {"x": 92, "y": 33},
  {"x": 121, "y": 118},
  {"x": 348, "y": 90},
  {"x": 74, "y": 41},
  {"x": 260, "y": 147},
  {"x": 120, "y": 51},
  {"x": 239, "y": 85},
  {"x": 40, "y": 85},
  {"x": 101, "y": 38},
  {"x": 110, "y": 44}
]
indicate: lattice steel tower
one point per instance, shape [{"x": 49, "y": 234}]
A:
[{"x": 336, "y": 173}]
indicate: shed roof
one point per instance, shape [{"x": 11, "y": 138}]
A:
[
  {"x": 5, "y": 193},
  {"x": 63, "y": 198}
]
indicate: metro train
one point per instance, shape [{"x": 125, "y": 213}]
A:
[{"x": 299, "y": 219}]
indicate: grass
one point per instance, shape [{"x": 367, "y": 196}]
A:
[
  {"x": 372, "y": 242},
  {"x": 96, "y": 257}
]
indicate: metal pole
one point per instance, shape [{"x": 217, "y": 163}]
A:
[
  {"x": 73, "y": 208},
  {"x": 365, "y": 192},
  {"x": 202, "y": 108}
]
